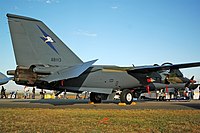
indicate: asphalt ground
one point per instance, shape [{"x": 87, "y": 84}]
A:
[{"x": 84, "y": 104}]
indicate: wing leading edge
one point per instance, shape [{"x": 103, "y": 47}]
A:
[{"x": 147, "y": 69}]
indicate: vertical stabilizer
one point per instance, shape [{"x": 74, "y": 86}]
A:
[{"x": 35, "y": 44}]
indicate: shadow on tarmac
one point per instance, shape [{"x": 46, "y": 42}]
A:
[
  {"x": 58, "y": 102},
  {"x": 193, "y": 105},
  {"x": 83, "y": 104}
]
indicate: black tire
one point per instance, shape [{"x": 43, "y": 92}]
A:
[
  {"x": 13, "y": 96},
  {"x": 163, "y": 98},
  {"x": 142, "y": 97},
  {"x": 95, "y": 97},
  {"x": 126, "y": 96},
  {"x": 160, "y": 98}
]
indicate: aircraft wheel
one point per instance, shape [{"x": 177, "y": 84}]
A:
[
  {"x": 13, "y": 96},
  {"x": 95, "y": 97},
  {"x": 126, "y": 96},
  {"x": 142, "y": 97},
  {"x": 160, "y": 98},
  {"x": 163, "y": 98}
]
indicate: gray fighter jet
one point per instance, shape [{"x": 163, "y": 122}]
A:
[{"x": 43, "y": 60}]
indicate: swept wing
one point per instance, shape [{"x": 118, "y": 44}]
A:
[{"x": 147, "y": 69}]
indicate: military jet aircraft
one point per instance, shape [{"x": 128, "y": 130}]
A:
[{"x": 43, "y": 60}]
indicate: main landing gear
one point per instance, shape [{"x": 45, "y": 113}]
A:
[
  {"x": 95, "y": 97},
  {"x": 126, "y": 96}
]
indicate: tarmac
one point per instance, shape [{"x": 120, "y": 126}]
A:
[{"x": 85, "y": 104}]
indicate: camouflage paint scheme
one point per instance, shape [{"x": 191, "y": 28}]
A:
[{"x": 44, "y": 61}]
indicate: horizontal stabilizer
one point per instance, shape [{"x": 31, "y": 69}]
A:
[
  {"x": 70, "y": 72},
  {"x": 4, "y": 79}
]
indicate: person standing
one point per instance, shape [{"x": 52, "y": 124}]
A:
[
  {"x": 33, "y": 93},
  {"x": 199, "y": 92},
  {"x": 187, "y": 93},
  {"x": 26, "y": 92},
  {"x": 2, "y": 89},
  {"x": 78, "y": 96},
  {"x": 3, "y": 92},
  {"x": 86, "y": 95},
  {"x": 42, "y": 94},
  {"x": 65, "y": 94}
]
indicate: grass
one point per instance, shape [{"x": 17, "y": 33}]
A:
[{"x": 97, "y": 121}]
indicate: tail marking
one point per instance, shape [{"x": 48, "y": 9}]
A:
[{"x": 48, "y": 40}]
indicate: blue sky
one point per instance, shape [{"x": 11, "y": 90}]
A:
[{"x": 117, "y": 32}]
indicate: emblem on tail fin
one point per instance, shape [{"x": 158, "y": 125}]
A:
[{"x": 47, "y": 39}]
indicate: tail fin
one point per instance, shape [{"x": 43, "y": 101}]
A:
[{"x": 35, "y": 44}]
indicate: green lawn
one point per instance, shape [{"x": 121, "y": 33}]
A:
[{"x": 82, "y": 120}]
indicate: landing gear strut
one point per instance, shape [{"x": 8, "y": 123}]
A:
[{"x": 95, "y": 97}]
